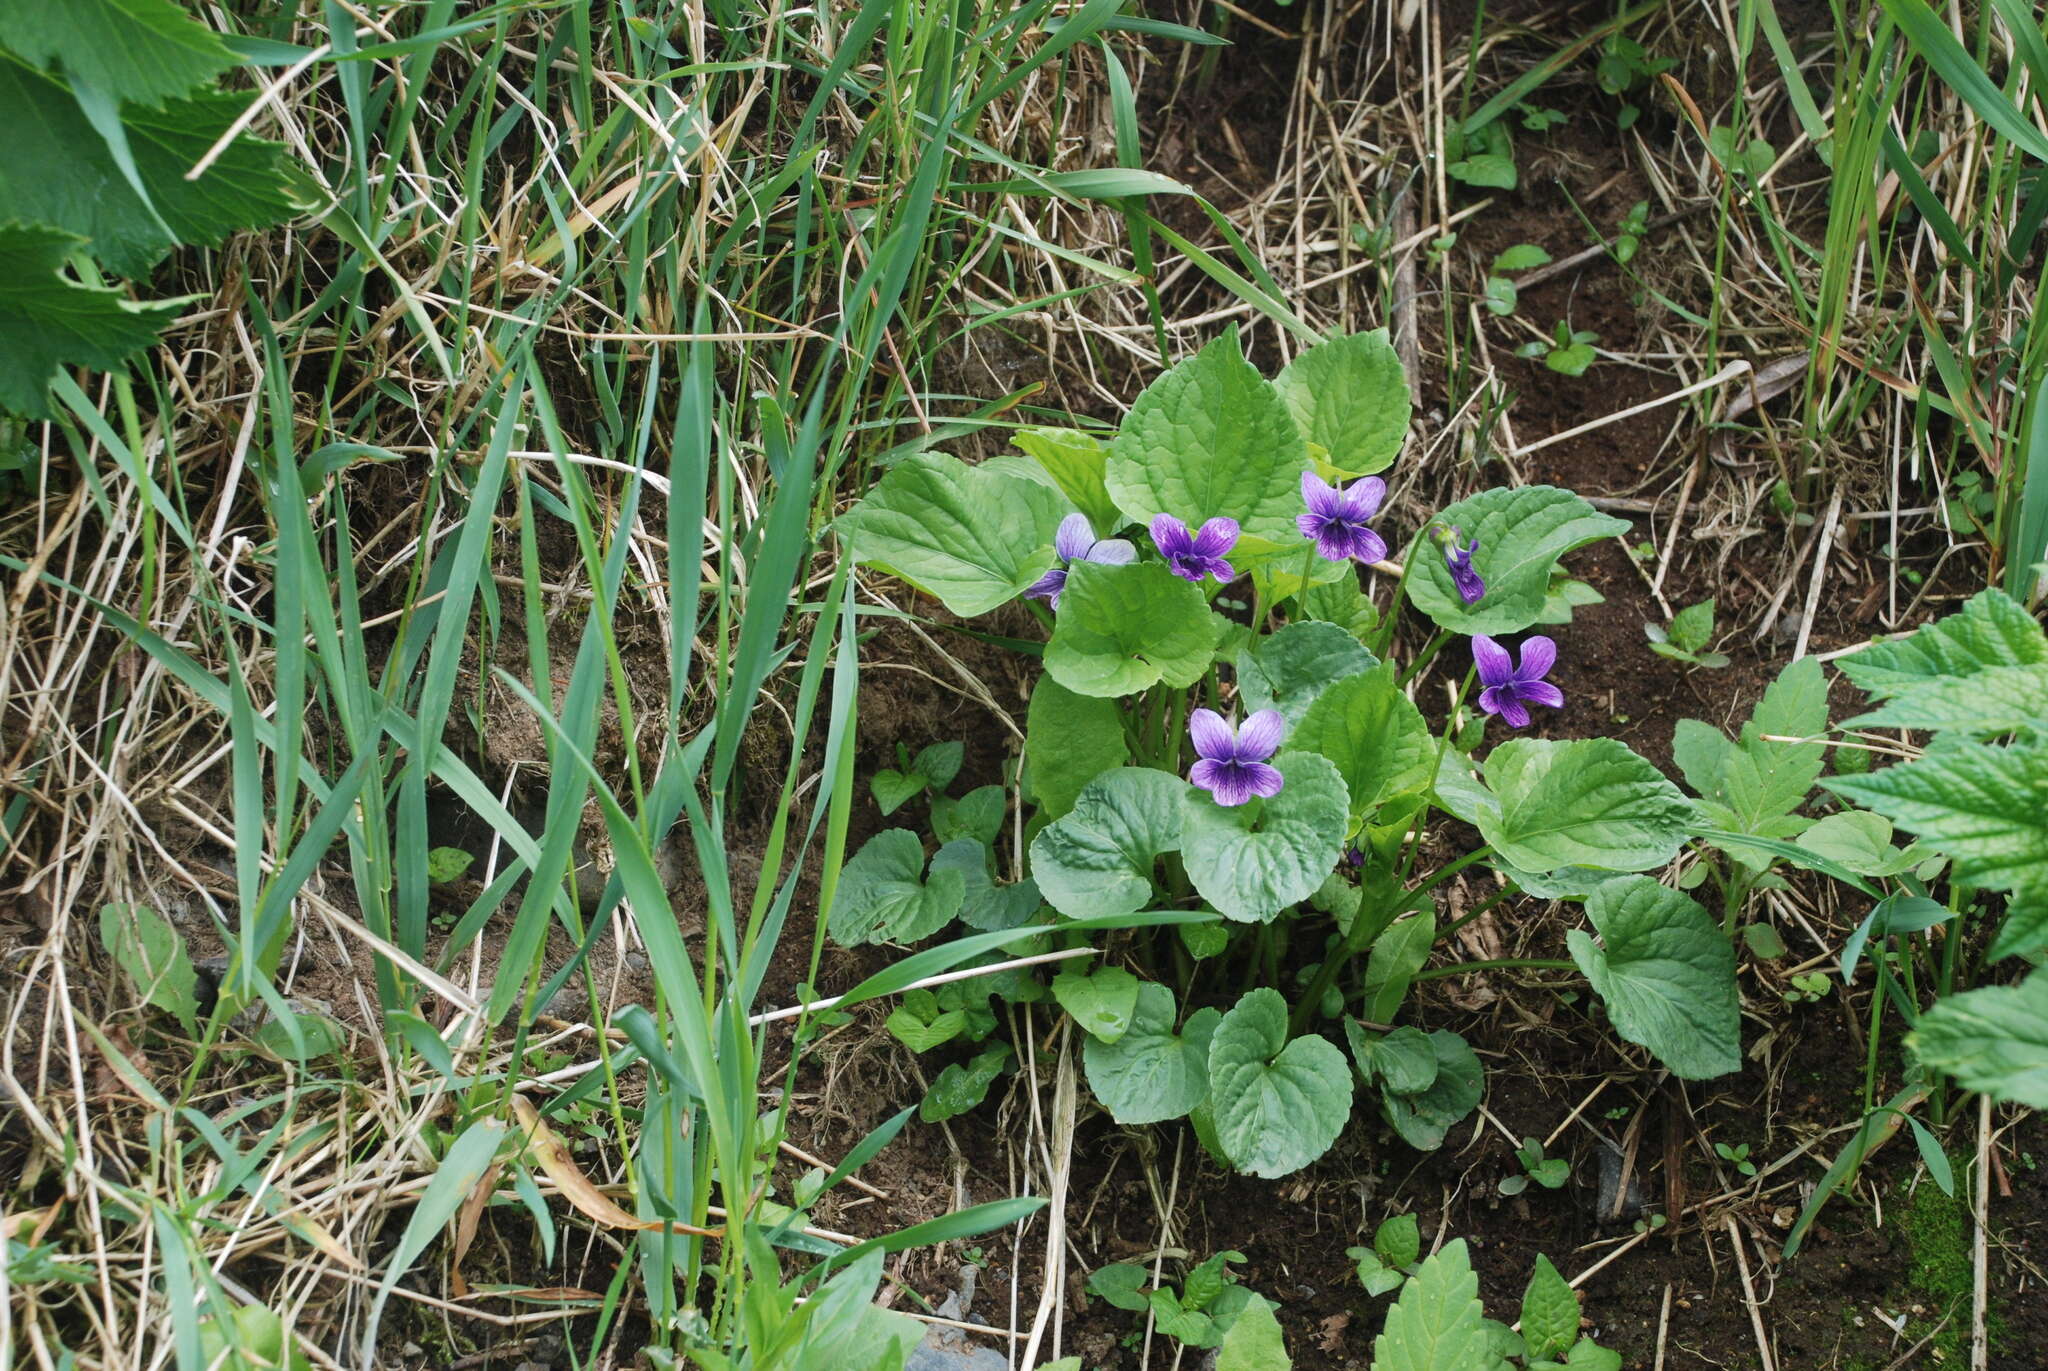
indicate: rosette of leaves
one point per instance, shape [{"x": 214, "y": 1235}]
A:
[{"x": 109, "y": 104}]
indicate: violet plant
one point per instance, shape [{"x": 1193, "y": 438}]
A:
[{"x": 1221, "y": 731}]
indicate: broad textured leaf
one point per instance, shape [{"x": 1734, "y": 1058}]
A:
[
  {"x": 1860, "y": 841},
  {"x": 1589, "y": 802},
  {"x": 1069, "y": 740},
  {"x": 1342, "y": 603},
  {"x": 984, "y": 904},
  {"x": 1152, "y": 1073},
  {"x": 1211, "y": 437},
  {"x": 48, "y": 321},
  {"x": 1437, "y": 1323},
  {"x": 1550, "y": 1313},
  {"x": 1397, "y": 954},
  {"x": 152, "y": 953},
  {"x": 1769, "y": 779},
  {"x": 1999, "y": 699},
  {"x": 1254, "y": 1342},
  {"x": 1101, "y": 1001},
  {"x": 2025, "y": 927},
  {"x": 1993, "y": 1039},
  {"x": 1350, "y": 397},
  {"x": 1098, "y": 859},
  {"x": 1253, "y": 860},
  {"x": 1398, "y": 1240},
  {"x": 1121, "y": 1284},
  {"x": 1375, "y": 736},
  {"x": 939, "y": 763},
  {"x": 55, "y": 169},
  {"x": 978, "y": 815},
  {"x": 1666, "y": 974},
  {"x": 1986, "y": 807},
  {"x": 1122, "y": 629},
  {"x": 1076, "y": 462},
  {"x": 1278, "y": 1105},
  {"x": 1403, "y": 1060},
  {"x": 894, "y": 789},
  {"x": 1990, "y": 630},
  {"x": 1423, "y": 1120},
  {"x": 883, "y": 896},
  {"x": 1289, "y": 669},
  {"x": 975, "y": 539},
  {"x": 1521, "y": 535},
  {"x": 1701, "y": 752},
  {"x": 963, "y": 1085},
  {"x": 130, "y": 50}
]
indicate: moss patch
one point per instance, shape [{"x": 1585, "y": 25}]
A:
[{"x": 1938, "y": 1232}]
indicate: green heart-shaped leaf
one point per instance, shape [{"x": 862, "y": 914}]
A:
[
  {"x": 1423, "y": 1120},
  {"x": 883, "y": 896},
  {"x": 974, "y": 538},
  {"x": 1122, "y": 629},
  {"x": 1076, "y": 462},
  {"x": 1101, "y": 1001},
  {"x": 1211, "y": 437},
  {"x": 983, "y": 903},
  {"x": 1253, "y": 860},
  {"x": 1666, "y": 973},
  {"x": 1289, "y": 669},
  {"x": 1277, "y": 1105},
  {"x": 1521, "y": 532},
  {"x": 1097, "y": 861},
  {"x": 1069, "y": 740},
  {"x": 1151, "y": 1073},
  {"x": 1589, "y": 802},
  {"x": 1375, "y": 736},
  {"x": 1350, "y": 397}
]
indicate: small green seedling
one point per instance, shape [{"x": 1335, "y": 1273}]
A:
[
  {"x": 1567, "y": 351},
  {"x": 1736, "y": 1156},
  {"x": 934, "y": 768},
  {"x": 1628, "y": 239},
  {"x": 1198, "y": 1314},
  {"x": 1549, "y": 1172},
  {"x": 1625, "y": 67},
  {"x": 1501, "y": 296},
  {"x": 1809, "y": 988},
  {"x": 1564, "y": 596},
  {"x": 1686, "y": 639},
  {"x": 1484, "y": 157},
  {"x": 1396, "y": 1246}
]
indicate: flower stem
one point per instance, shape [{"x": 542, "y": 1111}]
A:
[
  {"x": 1425, "y": 657},
  {"x": 1436, "y": 973}
]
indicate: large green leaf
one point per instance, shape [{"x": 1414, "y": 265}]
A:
[
  {"x": 884, "y": 897},
  {"x": 1993, "y": 1039},
  {"x": 129, "y": 50},
  {"x": 1254, "y": 1342},
  {"x": 1437, "y": 1323},
  {"x": 1097, "y": 861},
  {"x": 56, "y": 169},
  {"x": 152, "y": 953},
  {"x": 1101, "y": 1001},
  {"x": 1424, "y": 1119},
  {"x": 1278, "y": 1105},
  {"x": 1351, "y": 399},
  {"x": 1860, "y": 841},
  {"x": 1667, "y": 975},
  {"x": 1151, "y": 1073},
  {"x": 1253, "y": 860},
  {"x": 974, "y": 538},
  {"x": 1122, "y": 629},
  {"x": 1400, "y": 951},
  {"x": 1589, "y": 802},
  {"x": 1986, "y": 807},
  {"x": 1211, "y": 437},
  {"x": 1289, "y": 669},
  {"x": 1550, "y": 1313},
  {"x": 1998, "y": 699},
  {"x": 1752, "y": 785},
  {"x": 983, "y": 903},
  {"x": 1076, "y": 462},
  {"x": 1375, "y": 736},
  {"x": 1991, "y": 630},
  {"x": 1069, "y": 740},
  {"x": 1521, "y": 533},
  {"x": 48, "y": 321}
]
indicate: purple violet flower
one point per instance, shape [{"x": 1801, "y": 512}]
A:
[
  {"x": 1336, "y": 518},
  {"x": 1233, "y": 760},
  {"x": 1508, "y": 685},
  {"x": 1471, "y": 587},
  {"x": 1076, "y": 542},
  {"x": 1191, "y": 556}
]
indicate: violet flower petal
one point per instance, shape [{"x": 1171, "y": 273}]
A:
[
  {"x": 1496, "y": 667},
  {"x": 1111, "y": 552},
  {"x": 1541, "y": 693},
  {"x": 1075, "y": 536},
  {"x": 1212, "y": 736},
  {"x": 1217, "y": 537},
  {"x": 1258, "y": 737},
  {"x": 1539, "y": 654}
]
